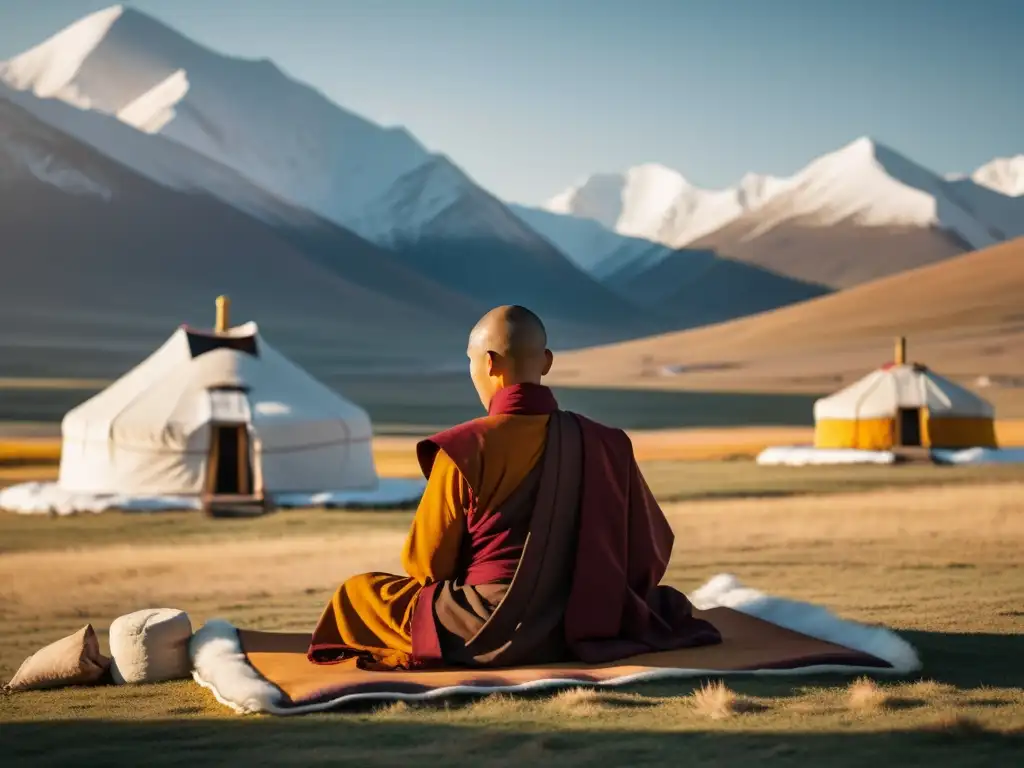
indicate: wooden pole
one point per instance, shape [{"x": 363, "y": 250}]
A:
[
  {"x": 901, "y": 350},
  {"x": 223, "y": 312}
]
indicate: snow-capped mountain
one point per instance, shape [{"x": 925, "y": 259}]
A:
[
  {"x": 247, "y": 115},
  {"x": 290, "y": 140},
  {"x": 816, "y": 225},
  {"x": 100, "y": 263},
  {"x": 1002, "y": 174},
  {"x": 659, "y": 204}
]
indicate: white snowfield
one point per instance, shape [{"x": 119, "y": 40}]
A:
[
  {"x": 247, "y": 115},
  {"x": 864, "y": 183}
]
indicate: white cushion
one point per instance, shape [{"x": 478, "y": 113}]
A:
[{"x": 150, "y": 646}]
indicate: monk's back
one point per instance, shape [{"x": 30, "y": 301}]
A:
[{"x": 499, "y": 459}]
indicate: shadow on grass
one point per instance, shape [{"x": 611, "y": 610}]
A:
[
  {"x": 970, "y": 659},
  {"x": 372, "y": 735},
  {"x": 348, "y": 740}
]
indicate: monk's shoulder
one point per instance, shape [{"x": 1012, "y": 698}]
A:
[
  {"x": 463, "y": 444},
  {"x": 613, "y": 437}
]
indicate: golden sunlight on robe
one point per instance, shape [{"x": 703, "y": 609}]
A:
[{"x": 372, "y": 612}]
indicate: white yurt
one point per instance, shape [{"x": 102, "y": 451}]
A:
[{"x": 216, "y": 414}]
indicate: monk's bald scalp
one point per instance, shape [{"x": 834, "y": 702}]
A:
[{"x": 516, "y": 334}]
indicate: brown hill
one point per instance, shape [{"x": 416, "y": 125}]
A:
[
  {"x": 964, "y": 317},
  {"x": 838, "y": 255}
]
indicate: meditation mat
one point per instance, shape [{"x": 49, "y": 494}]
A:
[{"x": 253, "y": 671}]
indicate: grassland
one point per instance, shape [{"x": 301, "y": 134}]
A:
[{"x": 941, "y": 565}]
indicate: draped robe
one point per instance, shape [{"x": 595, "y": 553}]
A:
[{"x": 536, "y": 540}]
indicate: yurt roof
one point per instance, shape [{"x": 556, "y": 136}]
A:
[
  {"x": 885, "y": 390},
  {"x": 163, "y": 399}
]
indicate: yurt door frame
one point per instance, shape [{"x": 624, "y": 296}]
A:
[
  {"x": 908, "y": 427},
  {"x": 232, "y": 443}
]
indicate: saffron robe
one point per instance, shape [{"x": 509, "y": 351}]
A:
[
  {"x": 531, "y": 561},
  {"x": 370, "y": 615}
]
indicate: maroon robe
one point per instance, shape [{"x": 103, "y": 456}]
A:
[{"x": 614, "y": 606}]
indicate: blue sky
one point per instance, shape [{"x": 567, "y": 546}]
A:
[{"x": 529, "y": 95}]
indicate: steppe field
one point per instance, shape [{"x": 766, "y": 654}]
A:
[{"x": 932, "y": 552}]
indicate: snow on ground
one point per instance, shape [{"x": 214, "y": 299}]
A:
[
  {"x": 802, "y": 456},
  {"x": 51, "y": 499},
  {"x": 806, "y": 455}
]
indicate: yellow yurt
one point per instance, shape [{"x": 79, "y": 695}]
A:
[{"x": 903, "y": 405}]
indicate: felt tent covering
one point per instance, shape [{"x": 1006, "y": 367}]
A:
[
  {"x": 866, "y": 415},
  {"x": 150, "y": 432}
]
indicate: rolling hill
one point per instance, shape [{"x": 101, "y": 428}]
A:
[{"x": 963, "y": 316}]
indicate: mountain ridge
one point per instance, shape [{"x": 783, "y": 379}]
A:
[
  {"x": 287, "y": 138},
  {"x": 865, "y": 191}
]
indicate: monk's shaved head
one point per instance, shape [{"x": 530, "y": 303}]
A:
[
  {"x": 512, "y": 343},
  {"x": 511, "y": 331}
]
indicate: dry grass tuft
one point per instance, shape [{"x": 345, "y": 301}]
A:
[
  {"x": 865, "y": 695},
  {"x": 576, "y": 702},
  {"x": 930, "y": 690},
  {"x": 718, "y": 702},
  {"x": 496, "y": 705}
]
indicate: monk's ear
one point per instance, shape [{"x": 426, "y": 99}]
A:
[
  {"x": 549, "y": 359},
  {"x": 492, "y": 363}
]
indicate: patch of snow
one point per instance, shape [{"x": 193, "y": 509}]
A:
[
  {"x": 802, "y": 456},
  {"x": 51, "y": 499},
  {"x": 154, "y": 109}
]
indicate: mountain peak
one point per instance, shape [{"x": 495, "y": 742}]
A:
[
  {"x": 656, "y": 173},
  {"x": 1002, "y": 174},
  {"x": 863, "y": 148}
]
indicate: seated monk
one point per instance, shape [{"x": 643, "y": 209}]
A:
[{"x": 536, "y": 541}]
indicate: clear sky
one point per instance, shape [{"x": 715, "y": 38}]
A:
[{"x": 530, "y": 95}]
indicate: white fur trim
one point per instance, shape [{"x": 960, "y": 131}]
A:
[
  {"x": 220, "y": 666},
  {"x": 726, "y": 591}
]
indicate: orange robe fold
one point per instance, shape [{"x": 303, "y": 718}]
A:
[{"x": 370, "y": 615}]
